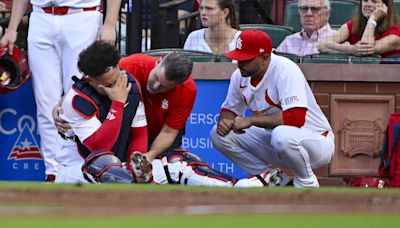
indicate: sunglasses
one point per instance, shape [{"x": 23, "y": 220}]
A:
[{"x": 314, "y": 9}]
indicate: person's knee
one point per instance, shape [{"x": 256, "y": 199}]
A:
[
  {"x": 281, "y": 138},
  {"x": 215, "y": 137}
]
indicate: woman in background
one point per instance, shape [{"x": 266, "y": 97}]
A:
[
  {"x": 374, "y": 29},
  {"x": 220, "y": 32}
]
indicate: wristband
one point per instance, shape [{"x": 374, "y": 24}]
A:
[{"x": 372, "y": 21}]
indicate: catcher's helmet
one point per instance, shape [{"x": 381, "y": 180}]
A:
[{"x": 14, "y": 69}]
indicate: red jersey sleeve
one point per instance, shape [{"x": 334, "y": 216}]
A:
[{"x": 295, "y": 117}]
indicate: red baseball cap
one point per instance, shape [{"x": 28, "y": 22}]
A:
[{"x": 250, "y": 44}]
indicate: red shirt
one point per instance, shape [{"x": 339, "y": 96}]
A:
[
  {"x": 172, "y": 107},
  {"x": 394, "y": 30}
]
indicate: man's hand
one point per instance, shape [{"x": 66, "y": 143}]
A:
[
  {"x": 60, "y": 124},
  {"x": 9, "y": 39},
  {"x": 224, "y": 126},
  {"x": 120, "y": 90},
  {"x": 107, "y": 33},
  {"x": 241, "y": 123}
]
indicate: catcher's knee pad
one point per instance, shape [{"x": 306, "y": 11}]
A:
[{"x": 103, "y": 167}]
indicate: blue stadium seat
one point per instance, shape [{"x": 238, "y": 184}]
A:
[
  {"x": 341, "y": 11},
  {"x": 276, "y": 32}
]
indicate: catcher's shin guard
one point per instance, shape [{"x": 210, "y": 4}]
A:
[
  {"x": 271, "y": 178},
  {"x": 105, "y": 167},
  {"x": 183, "y": 167}
]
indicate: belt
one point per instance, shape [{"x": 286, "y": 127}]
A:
[{"x": 63, "y": 10}]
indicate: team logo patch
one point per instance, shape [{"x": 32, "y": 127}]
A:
[
  {"x": 239, "y": 43},
  {"x": 164, "y": 104},
  {"x": 25, "y": 146},
  {"x": 291, "y": 99}
]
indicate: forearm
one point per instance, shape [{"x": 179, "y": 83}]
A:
[
  {"x": 164, "y": 140},
  {"x": 333, "y": 47},
  {"x": 267, "y": 121},
  {"x": 369, "y": 33},
  {"x": 113, "y": 7},
  {"x": 18, "y": 10}
]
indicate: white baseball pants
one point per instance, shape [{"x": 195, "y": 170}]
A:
[
  {"x": 297, "y": 149},
  {"x": 55, "y": 42}
]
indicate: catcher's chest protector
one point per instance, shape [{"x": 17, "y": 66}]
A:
[{"x": 85, "y": 105}]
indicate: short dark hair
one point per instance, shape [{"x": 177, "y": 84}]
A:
[
  {"x": 97, "y": 59},
  {"x": 178, "y": 67}
]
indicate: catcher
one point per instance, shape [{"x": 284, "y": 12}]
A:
[
  {"x": 168, "y": 94},
  {"x": 106, "y": 114}
]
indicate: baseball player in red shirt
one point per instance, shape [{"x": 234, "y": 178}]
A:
[
  {"x": 58, "y": 31},
  {"x": 287, "y": 128}
]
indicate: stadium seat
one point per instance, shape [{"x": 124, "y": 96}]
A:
[
  {"x": 397, "y": 3},
  {"x": 294, "y": 58},
  {"x": 341, "y": 59},
  {"x": 276, "y": 32},
  {"x": 341, "y": 11},
  {"x": 195, "y": 56}
]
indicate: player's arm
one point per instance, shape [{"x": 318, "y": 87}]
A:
[
  {"x": 138, "y": 132},
  {"x": 264, "y": 121},
  {"x": 162, "y": 142},
  {"x": 17, "y": 12},
  {"x": 108, "y": 29},
  {"x": 106, "y": 135}
]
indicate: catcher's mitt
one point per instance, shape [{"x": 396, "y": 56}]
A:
[{"x": 141, "y": 168}]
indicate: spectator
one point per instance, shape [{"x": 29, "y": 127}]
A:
[
  {"x": 58, "y": 31},
  {"x": 374, "y": 29},
  {"x": 220, "y": 34},
  {"x": 287, "y": 128},
  {"x": 314, "y": 16}
]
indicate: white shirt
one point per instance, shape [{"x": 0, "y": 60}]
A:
[
  {"x": 69, "y": 3},
  {"x": 282, "y": 87},
  {"x": 300, "y": 44},
  {"x": 196, "y": 41},
  {"x": 84, "y": 127}
]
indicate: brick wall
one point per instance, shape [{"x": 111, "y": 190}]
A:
[{"x": 324, "y": 90}]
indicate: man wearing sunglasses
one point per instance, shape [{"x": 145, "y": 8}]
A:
[{"x": 314, "y": 16}]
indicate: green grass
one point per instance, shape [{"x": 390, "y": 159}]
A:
[
  {"x": 148, "y": 187},
  {"x": 242, "y": 221}
]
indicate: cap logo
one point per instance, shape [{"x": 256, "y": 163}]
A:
[
  {"x": 239, "y": 43},
  {"x": 261, "y": 50}
]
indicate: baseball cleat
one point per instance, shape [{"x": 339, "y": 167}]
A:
[{"x": 274, "y": 177}]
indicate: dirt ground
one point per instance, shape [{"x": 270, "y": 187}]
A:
[{"x": 56, "y": 202}]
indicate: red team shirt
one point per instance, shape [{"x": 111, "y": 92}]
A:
[
  {"x": 394, "y": 30},
  {"x": 172, "y": 107}
]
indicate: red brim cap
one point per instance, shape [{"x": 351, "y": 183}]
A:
[{"x": 240, "y": 56}]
